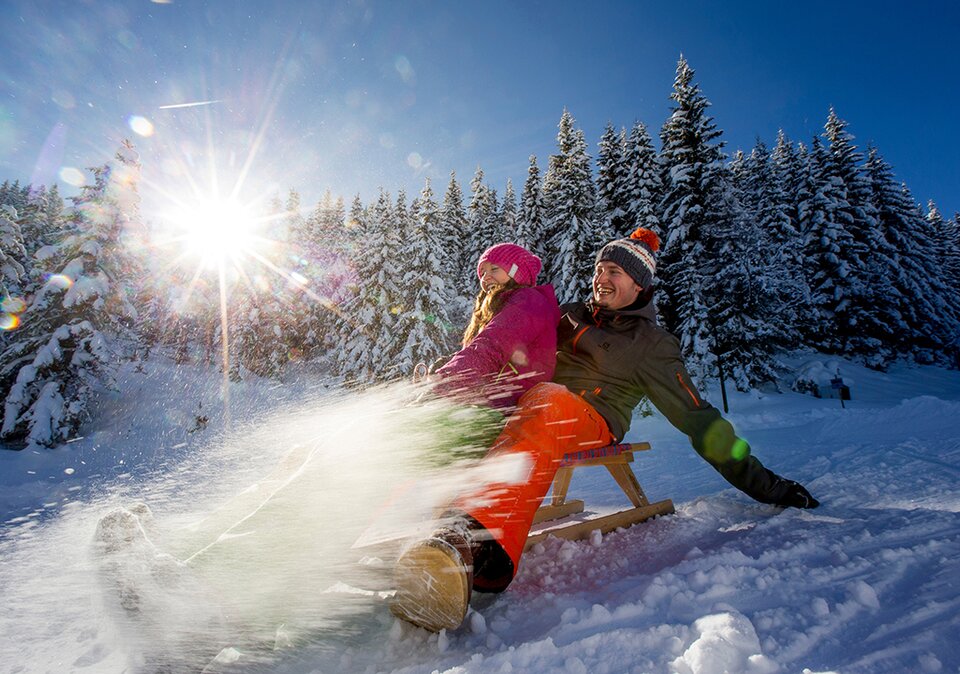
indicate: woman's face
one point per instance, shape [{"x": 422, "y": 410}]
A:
[{"x": 491, "y": 275}]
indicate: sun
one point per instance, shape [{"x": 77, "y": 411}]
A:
[{"x": 218, "y": 231}]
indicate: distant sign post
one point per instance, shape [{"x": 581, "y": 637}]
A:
[{"x": 842, "y": 389}]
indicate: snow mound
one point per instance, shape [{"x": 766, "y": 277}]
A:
[{"x": 724, "y": 643}]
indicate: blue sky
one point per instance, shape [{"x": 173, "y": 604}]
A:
[{"x": 355, "y": 95}]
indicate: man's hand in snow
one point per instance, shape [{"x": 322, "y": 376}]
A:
[{"x": 795, "y": 495}]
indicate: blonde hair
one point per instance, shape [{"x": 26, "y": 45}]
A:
[{"x": 485, "y": 307}]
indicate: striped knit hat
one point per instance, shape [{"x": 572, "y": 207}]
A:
[{"x": 635, "y": 255}]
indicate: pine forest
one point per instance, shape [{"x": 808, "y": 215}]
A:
[{"x": 810, "y": 244}]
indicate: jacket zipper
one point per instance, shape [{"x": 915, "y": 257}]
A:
[
  {"x": 688, "y": 390},
  {"x": 576, "y": 338}
]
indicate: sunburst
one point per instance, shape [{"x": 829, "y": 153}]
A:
[{"x": 220, "y": 231}]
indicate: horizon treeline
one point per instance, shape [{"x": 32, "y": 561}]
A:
[{"x": 796, "y": 246}]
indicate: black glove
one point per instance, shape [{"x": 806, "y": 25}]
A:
[{"x": 794, "y": 495}]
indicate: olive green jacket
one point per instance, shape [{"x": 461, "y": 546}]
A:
[{"x": 615, "y": 359}]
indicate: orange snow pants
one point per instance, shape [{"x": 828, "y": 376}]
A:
[{"x": 550, "y": 421}]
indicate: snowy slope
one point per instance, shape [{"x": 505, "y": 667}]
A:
[{"x": 866, "y": 583}]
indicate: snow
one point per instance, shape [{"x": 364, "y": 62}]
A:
[{"x": 865, "y": 583}]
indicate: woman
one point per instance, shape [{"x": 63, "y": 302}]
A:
[
  {"x": 509, "y": 346},
  {"x": 511, "y": 341}
]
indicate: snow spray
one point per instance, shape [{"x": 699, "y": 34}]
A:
[{"x": 283, "y": 532}]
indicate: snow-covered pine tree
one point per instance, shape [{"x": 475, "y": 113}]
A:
[
  {"x": 372, "y": 314},
  {"x": 423, "y": 329},
  {"x": 739, "y": 178},
  {"x": 952, "y": 263},
  {"x": 294, "y": 222},
  {"x": 744, "y": 330},
  {"x": 353, "y": 355},
  {"x": 874, "y": 298},
  {"x": 325, "y": 226},
  {"x": 745, "y": 327},
  {"x": 142, "y": 289},
  {"x": 275, "y": 221},
  {"x": 787, "y": 168},
  {"x": 389, "y": 280},
  {"x": 530, "y": 221},
  {"x": 15, "y": 194},
  {"x": 570, "y": 199},
  {"x": 331, "y": 275},
  {"x": 26, "y": 202},
  {"x": 942, "y": 235},
  {"x": 643, "y": 183},
  {"x": 763, "y": 195},
  {"x": 828, "y": 253},
  {"x": 13, "y": 255},
  {"x": 78, "y": 326},
  {"x": 270, "y": 314},
  {"x": 306, "y": 274},
  {"x": 50, "y": 203},
  {"x": 456, "y": 241},
  {"x": 613, "y": 194},
  {"x": 952, "y": 274},
  {"x": 244, "y": 332},
  {"x": 927, "y": 303},
  {"x": 482, "y": 231},
  {"x": 356, "y": 224},
  {"x": 341, "y": 333},
  {"x": 495, "y": 230},
  {"x": 393, "y": 339},
  {"x": 947, "y": 238},
  {"x": 696, "y": 214},
  {"x": 508, "y": 214},
  {"x": 41, "y": 223},
  {"x": 310, "y": 270}
]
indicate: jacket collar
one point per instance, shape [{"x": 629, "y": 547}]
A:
[{"x": 647, "y": 312}]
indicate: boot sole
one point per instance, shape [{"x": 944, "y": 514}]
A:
[{"x": 433, "y": 591}]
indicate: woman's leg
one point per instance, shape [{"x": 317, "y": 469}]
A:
[{"x": 549, "y": 422}]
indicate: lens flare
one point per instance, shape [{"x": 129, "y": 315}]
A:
[
  {"x": 64, "y": 99},
  {"x": 60, "y": 281},
  {"x": 403, "y": 67},
  {"x": 140, "y": 125},
  {"x": 218, "y": 230},
  {"x": 9, "y": 322},
  {"x": 72, "y": 176},
  {"x": 13, "y": 305}
]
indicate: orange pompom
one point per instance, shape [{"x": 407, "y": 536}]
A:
[{"x": 648, "y": 237}]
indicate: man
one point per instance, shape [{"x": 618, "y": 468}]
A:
[{"x": 611, "y": 354}]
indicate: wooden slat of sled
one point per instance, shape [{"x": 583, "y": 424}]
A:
[{"x": 616, "y": 459}]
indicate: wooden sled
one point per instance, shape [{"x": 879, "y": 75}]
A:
[{"x": 617, "y": 460}]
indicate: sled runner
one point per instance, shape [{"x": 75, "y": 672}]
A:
[{"x": 617, "y": 460}]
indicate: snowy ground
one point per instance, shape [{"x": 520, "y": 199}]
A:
[{"x": 866, "y": 583}]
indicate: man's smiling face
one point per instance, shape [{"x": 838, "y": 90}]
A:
[{"x": 613, "y": 288}]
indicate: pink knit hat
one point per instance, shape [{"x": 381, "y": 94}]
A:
[{"x": 520, "y": 264}]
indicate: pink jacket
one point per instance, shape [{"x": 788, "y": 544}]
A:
[{"x": 514, "y": 351}]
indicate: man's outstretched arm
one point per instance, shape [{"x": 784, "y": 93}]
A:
[{"x": 669, "y": 387}]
